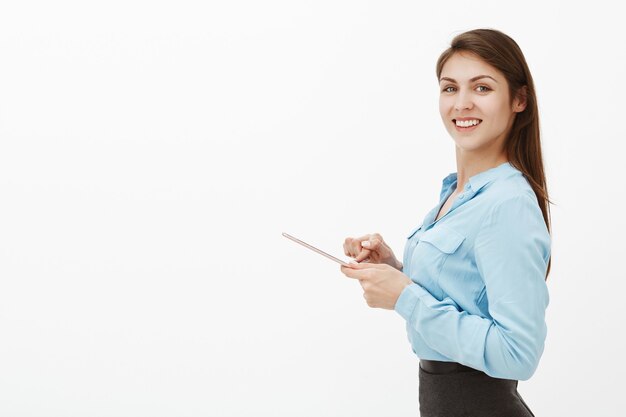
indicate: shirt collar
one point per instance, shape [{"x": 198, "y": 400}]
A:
[{"x": 478, "y": 181}]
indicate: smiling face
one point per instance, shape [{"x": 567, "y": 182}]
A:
[{"x": 474, "y": 104}]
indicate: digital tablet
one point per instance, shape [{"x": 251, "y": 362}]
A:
[{"x": 313, "y": 248}]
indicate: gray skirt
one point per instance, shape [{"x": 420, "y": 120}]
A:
[{"x": 468, "y": 392}]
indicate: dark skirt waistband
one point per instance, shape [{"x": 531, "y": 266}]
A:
[{"x": 438, "y": 367}]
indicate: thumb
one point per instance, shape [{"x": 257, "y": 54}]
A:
[{"x": 371, "y": 244}]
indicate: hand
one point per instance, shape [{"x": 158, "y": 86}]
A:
[
  {"x": 371, "y": 248},
  {"x": 382, "y": 284}
]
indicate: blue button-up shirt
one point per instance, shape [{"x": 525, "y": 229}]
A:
[{"x": 479, "y": 294}]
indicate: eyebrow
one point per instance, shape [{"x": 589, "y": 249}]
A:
[{"x": 478, "y": 77}]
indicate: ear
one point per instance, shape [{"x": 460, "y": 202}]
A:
[{"x": 519, "y": 104}]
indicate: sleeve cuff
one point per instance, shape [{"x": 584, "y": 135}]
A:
[{"x": 409, "y": 297}]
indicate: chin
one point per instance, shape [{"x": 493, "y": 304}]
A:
[{"x": 469, "y": 144}]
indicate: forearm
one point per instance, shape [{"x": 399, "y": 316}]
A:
[{"x": 475, "y": 341}]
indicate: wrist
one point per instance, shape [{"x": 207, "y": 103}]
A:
[{"x": 409, "y": 281}]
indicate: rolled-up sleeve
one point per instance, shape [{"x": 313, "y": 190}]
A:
[{"x": 511, "y": 251}]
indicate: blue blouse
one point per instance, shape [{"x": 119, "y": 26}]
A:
[{"x": 479, "y": 294}]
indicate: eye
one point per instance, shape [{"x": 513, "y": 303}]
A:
[
  {"x": 445, "y": 90},
  {"x": 485, "y": 88}
]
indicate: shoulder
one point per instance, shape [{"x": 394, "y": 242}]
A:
[
  {"x": 513, "y": 186},
  {"x": 511, "y": 205},
  {"x": 514, "y": 226},
  {"x": 510, "y": 193}
]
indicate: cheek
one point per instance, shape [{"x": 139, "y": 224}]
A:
[
  {"x": 444, "y": 107},
  {"x": 498, "y": 111}
]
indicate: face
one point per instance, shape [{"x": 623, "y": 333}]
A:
[{"x": 466, "y": 99}]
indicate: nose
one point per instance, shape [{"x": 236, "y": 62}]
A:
[{"x": 463, "y": 101}]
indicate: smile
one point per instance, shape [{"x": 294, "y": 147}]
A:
[{"x": 466, "y": 125}]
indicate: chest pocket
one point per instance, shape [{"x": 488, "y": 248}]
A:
[
  {"x": 434, "y": 248},
  {"x": 443, "y": 238}
]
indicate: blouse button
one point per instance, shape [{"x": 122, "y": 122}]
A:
[{"x": 461, "y": 195}]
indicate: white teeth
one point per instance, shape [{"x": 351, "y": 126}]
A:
[{"x": 467, "y": 123}]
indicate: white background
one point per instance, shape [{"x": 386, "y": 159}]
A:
[{"x": 151, "y": 154}]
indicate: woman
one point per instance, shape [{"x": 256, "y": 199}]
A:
[{"x": 472, "y": 284}]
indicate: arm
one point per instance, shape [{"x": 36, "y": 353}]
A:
[{"x": 511, "y": 250}]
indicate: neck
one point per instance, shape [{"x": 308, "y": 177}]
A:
[{"x": 468, "y": 165}]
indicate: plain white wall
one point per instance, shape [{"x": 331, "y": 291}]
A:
[{"x": 151, "y": 154}]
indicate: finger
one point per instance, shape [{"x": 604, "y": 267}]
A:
[
  {"x": 352, "y": 247},
  {"x": 367, "y": 265},
  {"x": 346, "y": 246},
  {"x": 351, "y": 272},
  {"x": 364, "y": 265},
  {"x": 364, "y": 254}
]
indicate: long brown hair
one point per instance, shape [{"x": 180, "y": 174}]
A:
[{"x": 523, "y": 145}]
